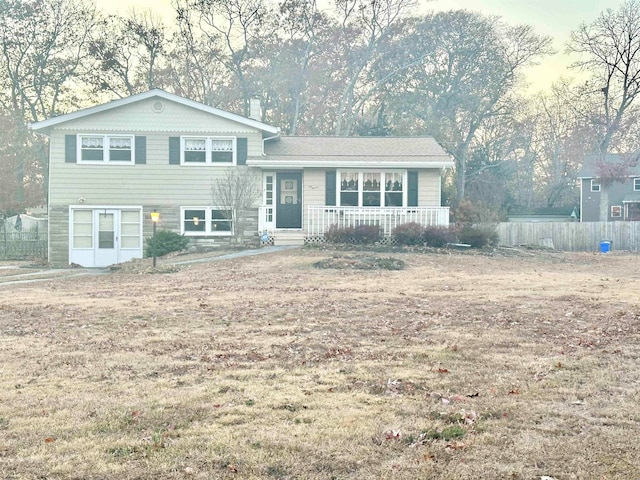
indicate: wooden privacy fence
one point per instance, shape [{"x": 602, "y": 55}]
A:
[
  {"x": 16, "y": 245},
  {"x": 572, "y": 236}
]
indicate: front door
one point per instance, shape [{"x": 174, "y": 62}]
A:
[
  {"x": 289, "y": 200},
  {"x": 100, "y": 237},
  {"x": 106, "y": 241}
]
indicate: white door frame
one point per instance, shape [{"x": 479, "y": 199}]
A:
[
  {"x": 106, "y": 243},
  {"x": 91, "y": 253}
]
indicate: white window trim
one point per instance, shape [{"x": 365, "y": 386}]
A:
[
  {"x": 636, "y": 184},
  {"x": 207, "y": 160},
  {"x": 382, "y": 181},
  {"x": 270, "y": 207},
  {"x": 620, "y": 210},
  {"x": 595, "y": 183},
  {"x": 105, "y": 149},
  {"x": 207, "y": 222},
  {"x": 92, "y": 209}
]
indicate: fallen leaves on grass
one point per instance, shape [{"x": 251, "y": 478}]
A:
[{"x": 392, "y": 435}]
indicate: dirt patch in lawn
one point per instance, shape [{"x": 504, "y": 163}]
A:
[
  {"x": 360, "y": 262},
  {"x": 504, "y": 364}
]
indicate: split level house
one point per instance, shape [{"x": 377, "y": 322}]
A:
[
  {"x": 113, "y": 164},
  {"x": 610, "y": 201}
]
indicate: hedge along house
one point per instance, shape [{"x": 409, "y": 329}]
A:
[{"x": 112, "y": 165}]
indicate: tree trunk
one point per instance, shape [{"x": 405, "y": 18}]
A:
[{"x": 604, "y": 203}]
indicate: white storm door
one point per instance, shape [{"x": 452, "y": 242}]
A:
[{"x": 106, "y": 239}]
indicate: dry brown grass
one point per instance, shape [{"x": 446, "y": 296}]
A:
[{"x": 461, "y": 366}]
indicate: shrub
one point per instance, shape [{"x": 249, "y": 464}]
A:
[
  {"x": 478, "y": 237},
  {"x": 364, "y": 234},
  {"x": 438, "y": 237},
  {"x": 336, "y": 234},
  {"x": 408, "y": 234},
  {"x": 165, "y": 242}
]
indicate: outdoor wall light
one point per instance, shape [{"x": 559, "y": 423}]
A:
[{"x": 155, "y": 216}]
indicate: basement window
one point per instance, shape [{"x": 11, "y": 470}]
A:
[{"x": 206, "y": 221}]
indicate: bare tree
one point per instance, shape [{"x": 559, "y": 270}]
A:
[
  {"x": 128, "y": 52},
  {"x": 190, "y": 72},
  {"x": 469, "y": 64},
  {"x": 235, "y": 194},
  {"x": 561, "y": 139},
  {"x": 43, "y": 57},
  {"x": 21, "y": 173},
  {"x": 302, "y": 30},
  {"x": 43, "y": 45},
  {"x": 232, "y": 30},
  {"x": 610, "y": 52},
  {"x": 365, "y": 24}
]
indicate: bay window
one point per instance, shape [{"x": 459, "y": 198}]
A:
[{"x": 371, "y": 189}]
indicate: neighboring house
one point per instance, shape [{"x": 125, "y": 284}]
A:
[
  {"x": 113, "y": 164},
  {"x": 26, "y": 223},
  {"x": 617, "y": 201}
]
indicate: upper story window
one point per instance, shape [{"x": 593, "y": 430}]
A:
[
  {"x": 372, "y": 189},
  {"x": 595, "y": 185},
  {"x": 636, "y": 184},
  {"x": 208, "y": 151},
  {"x": 106, "y": 148}
]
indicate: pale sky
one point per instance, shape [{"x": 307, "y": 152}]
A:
[{"x": 555, "y": 18}]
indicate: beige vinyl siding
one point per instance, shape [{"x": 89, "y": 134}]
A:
[
  {"x": 154, "y": 185},
  {"x": 314, "y": 187},
  {"x": 429, "y": 188},
  {"x": 173, "y": 118},
  {"x": 154, "y": 182},
  {"x": 157, "y": 143}
]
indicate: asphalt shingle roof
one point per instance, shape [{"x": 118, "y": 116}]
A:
[{"x": 356, "y": 149}]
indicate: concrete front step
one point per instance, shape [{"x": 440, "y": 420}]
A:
[{"x": 288, "y": 238}]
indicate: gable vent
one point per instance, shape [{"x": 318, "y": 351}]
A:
[{"x": 157, "y": 106}]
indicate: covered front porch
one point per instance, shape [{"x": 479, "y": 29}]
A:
[{"x": 319, "y": 218}]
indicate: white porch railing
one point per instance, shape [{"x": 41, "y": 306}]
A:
[{"x": 320, "y": 218}]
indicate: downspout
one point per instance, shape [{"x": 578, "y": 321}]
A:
[{"x": 264, "y": 140}]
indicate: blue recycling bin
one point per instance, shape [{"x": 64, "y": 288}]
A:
[{"x": 605, "y": 246}]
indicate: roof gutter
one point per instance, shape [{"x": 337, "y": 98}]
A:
[
  {"x": 344, "y": 164},
  {"x": 264, "y": 140}
]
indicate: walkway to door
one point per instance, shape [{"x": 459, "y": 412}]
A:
[{"x": 13, "y": 273}]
